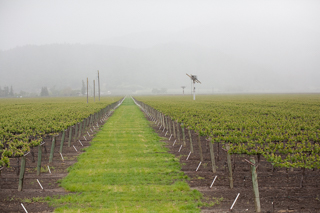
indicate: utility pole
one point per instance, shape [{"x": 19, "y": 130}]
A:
[
  {"x": 87, "y": 90},
  {"x": 99, "y": 85},
  {"x": 94, "y": 90}
]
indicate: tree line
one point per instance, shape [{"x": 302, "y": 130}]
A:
[
  {"x": 45, "y": 91},
  {"x": 6, "y": 91}
]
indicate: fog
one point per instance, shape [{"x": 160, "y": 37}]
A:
[{"x": 139, "y": 46}]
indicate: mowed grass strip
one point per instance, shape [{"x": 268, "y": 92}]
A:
[{"x": 127, "y": 169}]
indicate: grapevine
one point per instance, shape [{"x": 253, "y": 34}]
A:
[
  {"x": 282, "y": 128},
  {"x": 25, "y": 122}
]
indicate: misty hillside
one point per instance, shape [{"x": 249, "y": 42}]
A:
[{"x": 29, "y": 68}]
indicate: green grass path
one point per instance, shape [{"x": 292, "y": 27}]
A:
[{"x": 127, "y": 169}]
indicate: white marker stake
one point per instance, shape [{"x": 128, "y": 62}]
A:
[
  {"x": 234, "y": 201},
  {"x": 75, "y": 148},
  {"x": 89, "y": 134},
  {"x": 180, "y": 148},
  {"x": 80, "y": 143},
  {"x": 166, "y": 133},
  {"x": 188, "y": 155},
  {"x": 170, "y": 137},
  {"x": 40, "y": 184},
  {"x": 24, "y": 208},
  {"x": 61, "y": 156},
  {"x": 49, "y": 169},
  {"x": 198, "y": 166},
  {"x": 160, "y": 126},
  {"x": 174, "y": 142},
  {"x": 85, "y": 138},
  {"x": 213, "y": 181},
  {"x": 163, "y": 129}
]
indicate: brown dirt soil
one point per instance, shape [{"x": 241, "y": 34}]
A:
[
  {"x": 11, "y": 198},
  {"x": 280, "y": 187},
  {"x": 279, "y": 190}
]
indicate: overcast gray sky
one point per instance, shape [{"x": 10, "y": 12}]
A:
[
  {"x": 44, "y": 22},
  {"x": 280, "y": 37}
]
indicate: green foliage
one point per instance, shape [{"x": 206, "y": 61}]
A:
[
  {"x": 283, "y": 128},
  {"x": 127, "y": 169},
  {"x": 24, "y": 122}
]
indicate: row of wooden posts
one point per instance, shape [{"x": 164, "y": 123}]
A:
[
  {"x": 74, "y": 132},
  {"x": 175, "y": 129}
]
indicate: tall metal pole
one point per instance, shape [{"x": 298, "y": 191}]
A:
[
  {"x": 99, "y": 85},
  {"x": 94, "y": 90},
  {"x": 194, "y": 91},
  {"x": 87, "y": 90}
]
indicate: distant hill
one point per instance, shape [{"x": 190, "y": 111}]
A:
[{"x": 31, "y": 67}]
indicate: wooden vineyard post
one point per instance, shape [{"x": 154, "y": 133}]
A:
[
  {"x": 160, "y": 119},
  {"x": 178, "y": 132},
  {"x": 90, "y": 122},
  {"x": 70, "y": 136},
  {"x": 85, "y": 123},
  {"x": 169, "y": 126},
  {"x": 229, "y": 166},
  {"x": 80, "y": 128},
  {"x": 83, "y": 126},
  {"x": 76, "y": 132},
  {"x": 183, "y": 135},
  {"x": 52, "y": 149},
  {"x": 174, "y": 130},
  {"x": 39, "y": 160},
  {"x": 165, "y": 122},
  {"x": 157, "y": 116},
  {"x": 255, "y": 185},
  {"x": 200, "y": 148},
  {"x": 62, "y": 140},
  {"x": 190, "y": 138},
  {"x": 21, "y": 176},
  {"x": 213, "y": 161}
]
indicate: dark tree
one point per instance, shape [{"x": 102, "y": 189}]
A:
[
  {"x": 11, "y": 92},
  {"x": 6, "y": 91},
  {"x": 44, "y": 91}
]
